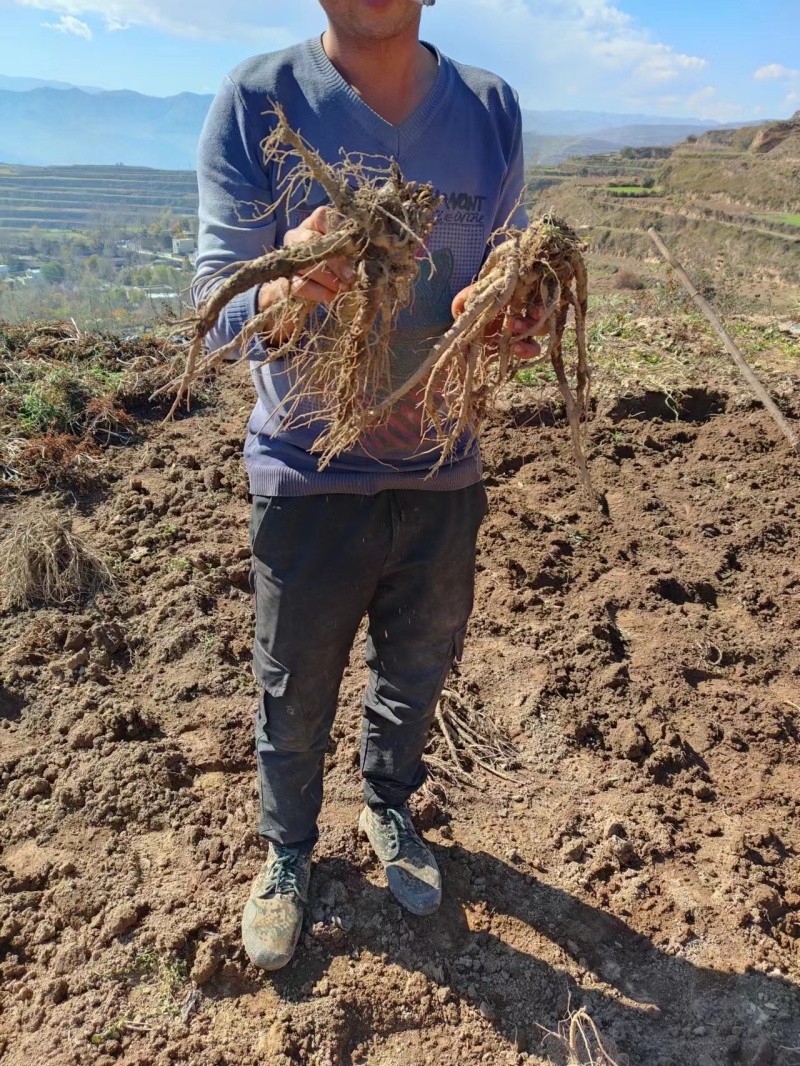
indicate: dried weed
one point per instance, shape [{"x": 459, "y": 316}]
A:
[
  {"x": 53, "y": 460},
  {"x": 42, "y": 562},
  {"x": 465, "y": 740},
  {"x": 578, "y": 1042},
  {"x": 65, "y": 395}
]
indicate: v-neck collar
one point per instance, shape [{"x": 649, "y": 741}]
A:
[{"x": 397, "y": 138}]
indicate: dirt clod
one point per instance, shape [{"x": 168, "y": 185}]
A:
[
  {"x": 207, "y": 961},
  {"x": 121, "y": 919}
]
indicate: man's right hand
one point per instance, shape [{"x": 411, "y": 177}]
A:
[{"x": 319, "y": 285}]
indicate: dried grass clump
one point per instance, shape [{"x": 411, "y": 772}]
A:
[
  {"x": 628, "y": 279},
  {"x": 540, "y": 266},
  {"x": 43, "y": 562},
  {"x": 578, "y": 1042},
  {"x": 107, "y": 422},
  {"x": 52, "y": 460},
  {"x": 340, "y": 354},
  {"x": 465, "y": 740}
]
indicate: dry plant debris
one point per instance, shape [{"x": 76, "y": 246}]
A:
[
  {"x": 65, "y": 395},
  {"x": 465, "y": 740},
  {"x": 542, "y": 266},
  {"x": 579, "y": 1041},
  {"x": 340, "y": 353},
  {"x": 43, "y": 562}
]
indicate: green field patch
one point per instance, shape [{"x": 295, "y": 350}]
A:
[
  {"x": 629, "y": 190},
  {"x": 783, "y": 220}
]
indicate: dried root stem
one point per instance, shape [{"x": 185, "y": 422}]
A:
[
  {"x": 579, "y": 1042},
  {"x": 339, "y": 355},
  {"x": 466, "y": 739},
  {"x": 540, "y": 266}
]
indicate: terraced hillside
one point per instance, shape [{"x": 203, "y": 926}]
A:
[
  {"x": 65, "y": 198},
  {"x": 727, "y": 199},
  {"x": 758, "y": 166}
]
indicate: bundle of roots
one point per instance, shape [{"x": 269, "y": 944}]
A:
[
  {"x": 578, "y": 1042},
  {"x": 466, "y": 740},
  {"x": 339, "y": 354},
  {"x": 539, "y": 267}
]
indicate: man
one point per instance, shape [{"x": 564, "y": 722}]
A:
[{"x": 372, "y": 533}]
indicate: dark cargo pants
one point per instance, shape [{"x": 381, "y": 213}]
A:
[{"x": 320, "y": 563}]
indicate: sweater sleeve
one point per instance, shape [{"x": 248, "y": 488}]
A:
[{"x": 235, "y": 194}]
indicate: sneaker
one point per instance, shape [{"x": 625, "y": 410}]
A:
[
  {"x": 273, "y": 916},
  {"x": 411, "y": 870}
]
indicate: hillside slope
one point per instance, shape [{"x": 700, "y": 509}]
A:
[
  {"x": 76, "y": 197},
  {"x": 546, "y": 150},
  {"x": 758, "y": 167},
  {"x": 726, "y": 202}
]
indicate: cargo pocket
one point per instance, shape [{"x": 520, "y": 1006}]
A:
[
  {"x": 280, "y": 716},
  {"x": 270, "y": 674}
]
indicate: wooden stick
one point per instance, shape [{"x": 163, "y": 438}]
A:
[{"x": 785, "y": 427}]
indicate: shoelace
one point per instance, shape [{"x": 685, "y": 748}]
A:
[
  {"x": 284, "y": 875},
  {"x": 399, "y": 828}
]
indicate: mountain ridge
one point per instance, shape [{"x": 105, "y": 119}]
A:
[
  {"x": 56, "y": 124},
  {"x": 21, "y": 85}
]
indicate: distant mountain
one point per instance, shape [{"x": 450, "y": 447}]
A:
[
  {"x": 45, "y": 127},
  {"x": 23, "y": 85},
  {"x": 552, "y": 150},
  {"x": 55, "y": 124},
  {"x": 583, "y": 123}
]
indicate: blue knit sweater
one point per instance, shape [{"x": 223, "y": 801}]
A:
[{"x": 465, "y": 138}]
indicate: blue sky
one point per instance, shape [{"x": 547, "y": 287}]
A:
[{"x": 708, "y": 58}]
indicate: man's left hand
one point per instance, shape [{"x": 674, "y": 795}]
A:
[{"x": 534, "y": 324}]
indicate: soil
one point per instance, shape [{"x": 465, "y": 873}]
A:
[{"x": 643, "y": 863}]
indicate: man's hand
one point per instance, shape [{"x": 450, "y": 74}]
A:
[
  {"x": 319, "y": 285},
  {"x": 533, "y": 324}
]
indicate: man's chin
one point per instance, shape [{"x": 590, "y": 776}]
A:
[{"x": 379, "y": 20}]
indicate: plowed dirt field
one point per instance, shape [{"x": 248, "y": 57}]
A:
[{"x": 643, "y": 861}]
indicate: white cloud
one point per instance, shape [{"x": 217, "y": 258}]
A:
[
  {"x": 706, "y": 103},
  {"x": 71, "y": 25},
  {"x": 586, "y": 49},
  {"x": 261, "y": 22},
  {"x": 776, "y": 72},
  {"x": 551, "y": 52}
]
